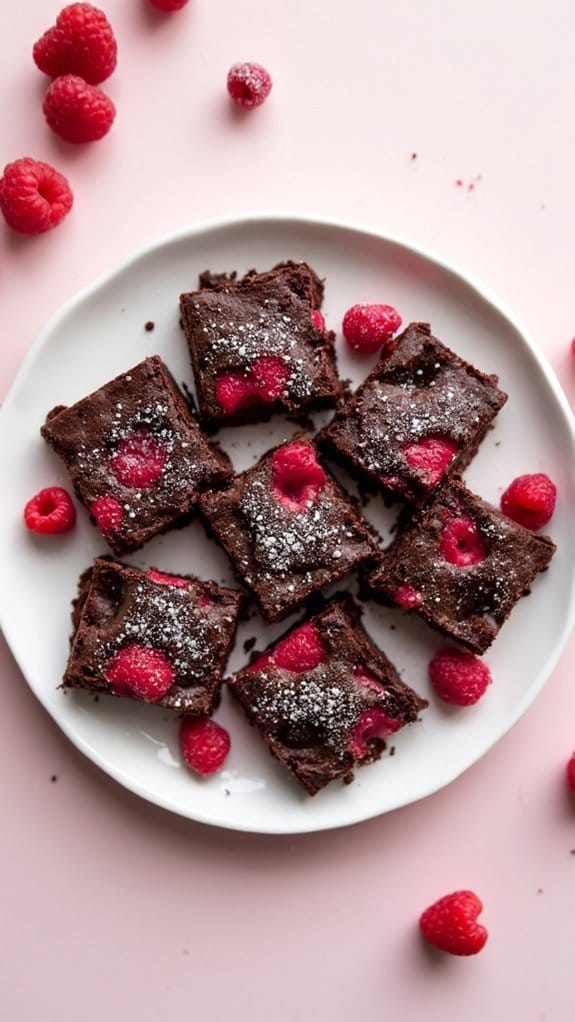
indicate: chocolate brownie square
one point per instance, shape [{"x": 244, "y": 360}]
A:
[
  {"x": 287, "y": 527},
  {"x": 419, "y": 415},
  {"x": 461, "y": 565},
  {"x": 136, "y": 457},
  {"x": 324, "y": 697},
  {"x": 150, "y": 636},
  {"x": 255, "y": 346}
]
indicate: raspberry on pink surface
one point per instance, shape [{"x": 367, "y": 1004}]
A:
[
  {"x": 530, "y": 500},
  {"x": 462, "y": 543},
  {"x": 81, "y": 43},
  {"x": 50, "y": 511},
  {"x": 367, "y": 328},
  {"x": 298, "y": 478},
  {"x": 169, "y": 5},
  {"x": 450, "y": 924},
  {"x": 249, "y": 84},
  {"x": 204, "y": 745},
  {"x": 458, "y": 677},
  {"x": 432, "y": 455},
  {"x": 570, "y": 773},
  {"x": 301, "y": 650},
  {"x": 76, "y": 111},
  {"x": 108, "y": 513},
  {"x": 139, "y": 460},
  {"x": 140, "y": 672},
  {"x": 34, "y": 197}
]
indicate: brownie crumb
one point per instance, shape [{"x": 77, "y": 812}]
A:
[
  {"x": 249, "y": 644},
  {"x": 149, "y": 326},
  {"x": 539, "y": 890},
  {"x": 54, "y": 778},
  {"x": 392, "y": 750},
  {"x": 414, "y": 156},
  {"x": 572, "y": 852},
  {"x": 227, "y": 791}
]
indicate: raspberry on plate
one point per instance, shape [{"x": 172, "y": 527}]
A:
[
  {"x": 249, "y": 84},
  {"x": 367, "y": 328},
  {"x": 530, "y": 500},
  {"x": 458, "y": 677},
  {"x": 34, "y": 197},
  {"x": 570, "y": 771},
  {"x": 50, "y": 511},
  {"x": 204, "y": 745},
  {"x": 76, "y": 111},
  {"x": 169, "y": 5},
  {"x": 450, "y": 924},
  {"x": 80, "y": 43}
]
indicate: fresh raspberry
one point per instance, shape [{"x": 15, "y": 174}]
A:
[
  {"x": 249, "y": 84},
  {"x": 76, "y": 111},
  {"x": 204, "y": 744},
  {"x": 108, "y": 513},
  {"x": 458, "y": 677},
  {"x": 141, "y": 672},
  {"x": 166, "y": 580},
  {"x": 169, "y": 5},
  {"x": 462, "y": 543},
  {"x": 139, "y": 460},
  {"x": 50, "y": 511},
  {"x": 432, "y": 455},
  {"x": 571, "y": 773},
  {"x": 270, "y": 375},
  {"x": 298, "y": 478},
  {"x": 450, "y": 924},
  {"x": 234, "y": 391},
  {"x": 80, "y": 43},
  {"x": 318, "y": 320},
  {"x": 367, "y": 328},
  {"x": 407, "y": 597},
  {"x": 573, "y": 347},
  {"x": 34, "y": 197},
  {"x": 371, "y": 724},
  {"x": 301, "y": 650},
  {"x": 530, "y": 500}
]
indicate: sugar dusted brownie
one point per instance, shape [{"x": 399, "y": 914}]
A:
[
  {"x": 287, "y": 527},
  {"x": 136, "y": 457},
  {"x": 150, "y": 636},
  {"x": 324, "y": 697},
  {"x": 255, "y": 346},
  {"x": 419, "y": 415},
  {"x": 461, "y": 565}
]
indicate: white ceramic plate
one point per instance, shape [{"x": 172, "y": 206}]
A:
[{"x": 101, "y": 333}]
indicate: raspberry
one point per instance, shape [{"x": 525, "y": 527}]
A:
[
  {"x": 571, "y": 773},
  {"x": 108, "y": 513},
  {"x": 458, "y": 677},
  {"x": 270, "y": 375},
  {"x": 249, "y": 84},
  {"x": 141, "y": 672},
  {"x": 204, "y": 744},
  {"x": 431, "y": 455},
  {"x": 530, "y": 500},
  {"x": 407, "y": 597},
  {"x": 139, "y": 460},
  {"x": 166, "y": 580},
  {"x": 80, "y": 43},
  {"x": 76, "y": 111},
  {"x": 34, "y": 197},
  {"x": 318, "y": 320},
  {"x": 298, "y": 478},
  {"x": 450, "y": 924},
  {"x": 265, "y": 381},
  {"x": 50, "y": 511},
  {"x": 169, "y": 5},
  {"x": 371, "y": 724},
  {"x": 234, "y": 392},
  {"x": 300, "y": 651},
  {"x": 368, "y": 327},
  {"x": 462, "y": 543}
]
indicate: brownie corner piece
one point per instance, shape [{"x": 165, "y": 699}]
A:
[
  {"x": 136, "y": 457},
  {"x": 151, "y": 636},
  {"x": 418, "y": 417},
  {"x": 287, "y": 527},
  {"x": 254, "y": 346},
  {"x": 461, "y": 565},
  {"x": 325, "y": 698}
]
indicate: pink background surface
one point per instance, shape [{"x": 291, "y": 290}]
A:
[{"x": 111, "y": 907}]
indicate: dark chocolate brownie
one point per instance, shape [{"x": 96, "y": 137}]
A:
[
  {"x": 185, "y": 627},
  {"x": 254, "y": 347},
  {"x": 325, "y": 697},
  {"x": 287, "y": 527},
  {"x": 461, "y": 565},
  {"x": 136, "y": 457},
  {"x": 421, "y": 413}
]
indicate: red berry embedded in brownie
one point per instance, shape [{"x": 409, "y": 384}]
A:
[
  {"x": 462, "y": 543},
  {"x": 450, "y": 924},
  {"x": 298, "y": 478},
  {"x": 204, "y": 745},
  {"x": 234, "y": 391},
  {"x": 140, "y": 672},
  {"x": 50, "y": 511},
  {"x": 530, "y": 500},
  {"x": 76, "y": 111},
  {"x": 108, "y": 513},
  {"x": 302, "y": 650},
  {"x": 407, "y": 597},
  {"x": 432, "y": 455},
  {"x": 270, "y": 375},
  {"x": 318, "y": 320},
  {"x": 80, "y": 43},
  {"x": 160, "y": 578},
  {"x": 34, "y": 197},
  {"x": 367, "y": 328},
  {"x": 139, "y": 460},
  {"x": 249, "y": 84},
  {"x": 457, "y": 677}
]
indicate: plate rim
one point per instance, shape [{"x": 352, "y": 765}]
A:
[{"x": 307, "y": 220}]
